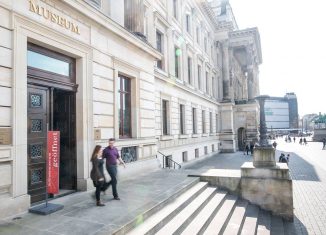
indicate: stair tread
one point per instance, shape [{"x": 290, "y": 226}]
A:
[
  {"x": 199, "y": 221},
  {"x": 221, "y": 216},
  {"x": 277, "y": 226},
  {"x": 250, "y": 221},
  {"x": 264, "y": 223},
  {"x": 183, "y": 215},
  {"x": 153, "y": 220},
  {"x": 237, "y": 218}
]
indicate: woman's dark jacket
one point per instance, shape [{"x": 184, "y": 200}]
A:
[{"x": 97, "y": 170}]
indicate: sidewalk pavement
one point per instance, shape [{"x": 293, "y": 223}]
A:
[{"x": 81, "y": 216}]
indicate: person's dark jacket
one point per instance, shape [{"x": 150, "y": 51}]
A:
[{"x": 97, "y": 170}]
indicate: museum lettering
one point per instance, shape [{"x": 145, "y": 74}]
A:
[{"x": 47, "y": 14}]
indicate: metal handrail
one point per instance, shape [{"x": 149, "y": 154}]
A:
[{"x": 169, "y": 159}]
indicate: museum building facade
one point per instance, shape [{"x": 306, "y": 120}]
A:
[{"x": 164, "y": 78}]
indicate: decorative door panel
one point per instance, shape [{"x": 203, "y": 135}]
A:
[{"x": 37, "y": 121}]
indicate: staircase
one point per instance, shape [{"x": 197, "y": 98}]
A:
[{"x": 202, "y": 209}]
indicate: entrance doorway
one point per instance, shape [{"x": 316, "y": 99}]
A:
[
  {"x": 241, "y": 138},
  {"x": 51, "y": 106}
]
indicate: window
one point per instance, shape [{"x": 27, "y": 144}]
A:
[
  {"x": 96, "y": 3},
  {"x": 203, "y": 121},
  {"x": 213, "y": 87},
  {"x": 199, "y": 77},
  {"x": 207, "y": 82},
  {"x": 196, "y": 153},
  {"x": 185, "y": 156},
  {"x": 205, "y": 150},
  {"x": 47, "y": 63},
  {"x": 189, "y": 70},
  {"x": 188, "y": 23},
  {"x": 177, "y": 53},
  {"x": 124, "y": 104},
  {"x": 211, "y": 91},
  {"x": 205, "y": 44},
  {"x": 212, "y": 52},
  {"x": 168, "y": 162},
  {"x": 129, "y": 154},
  {"x": 175, "y": 9},
  {"x": 213, "y": 148},
  {"x": 210, "y": 122},
  {"x": 159, "y": 47},
  {"x": 165, "y": 110},
  {"x": 182, "y": 119},
  {"x": 197, "y": 35},
  {"x": 216, "y": 117},
  {"x": 194, "y": 121}
]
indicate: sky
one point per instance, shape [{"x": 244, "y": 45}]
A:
[{"x": 293, "y": 41}]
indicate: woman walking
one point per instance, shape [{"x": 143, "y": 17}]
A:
[{"x": 97, "y": 174}]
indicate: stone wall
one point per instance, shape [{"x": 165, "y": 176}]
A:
[{"x": 6, "y": 102}]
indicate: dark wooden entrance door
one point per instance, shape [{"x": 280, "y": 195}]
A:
[
  {"x": 64, "y": 120},
  {"x": 51, "y": 102},
  {"x": 38, "y": 119}
]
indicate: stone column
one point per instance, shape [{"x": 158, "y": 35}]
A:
[
  {"x": 226, "y": 72},
  {"x": 250, "y": 84},
  {"x": 256, "y": 91},
  {"x": 134, "y": 16}
]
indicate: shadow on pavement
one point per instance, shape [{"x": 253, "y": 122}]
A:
[
  {"x": 300, "y": 169},
  {"x": 296, "y": 227},
  {"x": 222, "y": 161}
]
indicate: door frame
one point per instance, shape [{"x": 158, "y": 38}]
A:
[
  {"x": 49, "y": 81},
  {"x": 27, "y": 31}
]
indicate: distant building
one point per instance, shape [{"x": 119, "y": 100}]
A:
[
  {"x": 282, "y": 112},
  {"x": 307, "y": 122}
]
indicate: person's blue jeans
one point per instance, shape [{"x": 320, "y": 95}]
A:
[{"x": 112, "y": 170}]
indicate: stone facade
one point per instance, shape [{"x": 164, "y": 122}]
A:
[{"x": 220, "y": 83}]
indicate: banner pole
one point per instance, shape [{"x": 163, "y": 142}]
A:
[{"x": 47, "y": 168}]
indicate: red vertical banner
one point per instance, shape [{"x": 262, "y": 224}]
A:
[{"x": 53, "y": 162}]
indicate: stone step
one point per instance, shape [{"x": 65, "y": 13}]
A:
[
  {"x": 206, "y": 215},
  {"x": 221, "y": 218},
  {"x": 250, "y": 221},
  {"x": 165, "y": 214},
  {"x": 277, "y": 226},
  {"x": 237, "y": 218},
  {"x": 184, "y": 217},
  {"x": 264, "y": 223}
]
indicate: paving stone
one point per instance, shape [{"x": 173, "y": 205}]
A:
[{"x": 307, "y": 167}]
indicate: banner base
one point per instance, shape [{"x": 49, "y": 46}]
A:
[{"x": 44, "y": 209}]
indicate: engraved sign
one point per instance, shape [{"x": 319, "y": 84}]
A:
[
  {"x": 5, "y": 136},
  {"x": 53, "y": 17}
]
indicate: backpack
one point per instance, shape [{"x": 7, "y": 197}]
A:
[{"x": 284, "y": 159}]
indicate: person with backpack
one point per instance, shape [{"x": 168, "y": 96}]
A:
[
  {"x": 274, "y": 144},
  {"x": 283, "y": 159},
  {"x": 247, "y": 149},
  {"x": 280, "y": 158}
]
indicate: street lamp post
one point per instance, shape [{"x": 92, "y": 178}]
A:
[
  {"x": 263, "y": 141},
  {"x": 264, "y": 154}
]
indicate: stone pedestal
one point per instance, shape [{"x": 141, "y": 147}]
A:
[
  {"x": 264, "y": 157},
  {"x": 267, "y": 183}
]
